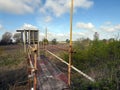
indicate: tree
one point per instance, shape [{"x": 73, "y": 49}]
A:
[
  {"x": 54, "y": 41},
  {"x": 67, "y": 40},
  {"x": 6, "y": 38},
  {"x": 17, "y": 37},
  {"x": 45, "y": 41}
]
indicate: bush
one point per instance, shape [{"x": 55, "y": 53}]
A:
[
  {"x": 45, "y": 41},
  {"x": 54, "y": 41},
  {"x": 103, "y": 58}
]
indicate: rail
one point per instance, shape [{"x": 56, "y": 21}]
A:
[
  {"x": 77, "y": 70},
  {"x": 32, "y": 65}
]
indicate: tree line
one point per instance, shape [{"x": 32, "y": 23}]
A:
[{"x": 9, "y": 38}]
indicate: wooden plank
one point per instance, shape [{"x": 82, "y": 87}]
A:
[{"x": 47, "y": 77}]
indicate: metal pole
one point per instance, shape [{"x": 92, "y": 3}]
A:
[
  {"x": 38, "y": 44},
  {"x": 24, "y": 41},
  {"x": 33, "y": 37},
  {"x": 35, "y": 66},
  {"x": 29, "y": 73},
  {"x": 74, "y": 68},
  {"x": 46, "y": 32},
  {"x": 29, "y": 36},
  {"x": 70, "y": 47},
  {"x": 46, "y": 43},
  {"x": 22, "y": 37}
]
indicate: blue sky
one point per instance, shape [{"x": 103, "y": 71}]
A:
[{"x": 89, "y": 16}]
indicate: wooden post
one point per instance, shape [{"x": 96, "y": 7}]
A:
[{"x": 70, "y": 47}]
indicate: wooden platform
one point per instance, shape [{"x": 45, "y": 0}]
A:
[{"x": 49, "y": 76}]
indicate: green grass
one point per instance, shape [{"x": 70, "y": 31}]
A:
[
  {"x": 12, "y": 66},
  {"x": 11, "y": 56}
]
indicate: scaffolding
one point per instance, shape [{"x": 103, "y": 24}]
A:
[{"x": 29, "y": 37}]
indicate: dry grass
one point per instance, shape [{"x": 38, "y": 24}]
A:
[{"x": 12, "y": 66}]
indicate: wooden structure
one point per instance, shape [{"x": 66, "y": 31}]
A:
[{"x": 29, "y": 37}]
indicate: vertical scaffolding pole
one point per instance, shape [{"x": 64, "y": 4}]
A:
[
  {"x": 33, "y": 37},
  {"x": 38, "y": 44},
  {"x": 46, "y": 41},
  {"x": 70, "y": 46},
  {"x": 35, "y": 66},
  {"x": 24, "y": 41},
  {"x": 29, "y": 37},
  {"x": 46, "y": 32},
  {"x": 29, "y": 73},
  {"x": 22, "y": 37}
]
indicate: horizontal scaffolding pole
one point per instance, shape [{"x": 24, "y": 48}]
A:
[
  {"x": 26, "y": 30},
  {"x": 32, "y": 48},
  {"x": 31, "y": 65},
  {"x": 60, "y": 48},
  {"x": 77, "y": 70}
]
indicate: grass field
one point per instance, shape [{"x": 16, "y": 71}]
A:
[
  {"x": 99, "y": 59},
  {"x": 12, "y": 66}
]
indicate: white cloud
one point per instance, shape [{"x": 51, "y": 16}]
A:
[
  {"x": 83, "y": 3},
  {"x": 59, "y": 7},
  {"x": 87, "y": 26},
  {"x": 52, "y": 35},
  {"x": 107, "y": 26},
  {"x": 78, "y": 34},
  {"x": 48, "y": 19},
  {"x": 19, "y": 6},
  {"x": 28, "y": 27},
  {"x": 117, "y": 27},
  {"x": 54, "y": 6},
  {"x": 61, "y": 36},
  {"x": 110, "y": 28},
  {"x": 108, "y": 23},
  {"x": 42, "y": 10},
  {"x": 87, "y": 31},
  {"x": 1, "y": 27}
]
